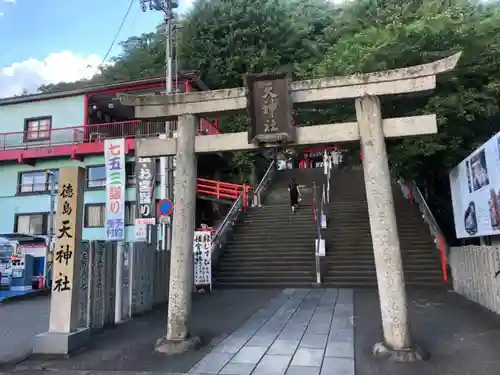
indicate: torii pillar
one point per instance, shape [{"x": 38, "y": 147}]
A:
[{"x": 178, "y": 339}]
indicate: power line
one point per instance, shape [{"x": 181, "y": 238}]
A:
[{"x": 117, "y": 33}]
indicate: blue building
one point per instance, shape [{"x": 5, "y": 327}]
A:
[{"x": 45, "y": 132}]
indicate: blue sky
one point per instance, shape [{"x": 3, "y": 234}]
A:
[{"x": 37, "y": 35}]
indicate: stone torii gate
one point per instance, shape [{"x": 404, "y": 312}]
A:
[{"x": 370, "y": 129}]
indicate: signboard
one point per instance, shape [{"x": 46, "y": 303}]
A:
[
  {"x": 475, "y": 191},
  {"x": 270, "y": 109},
  {"x": 202, "y": 256},
  {"x": 114, "y": 156},
  {"x": 165, "y": 220},
  {"x": 145, "y": 177},
  {"x": 320, "y": 250},
  {"x": 165, "y": 207},
  {"x": 148, "y": 221},
  {"x": 64, "y": 313},
  {"x": 141, "y": 231}
]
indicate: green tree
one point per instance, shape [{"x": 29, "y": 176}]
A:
[
  {"x": 370, "y": 35},
  {"x": 378, "y": 35},
  {"x": 225, "y": 39}
]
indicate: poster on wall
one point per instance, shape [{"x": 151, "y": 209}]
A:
[
  {"x": 114, "y": 158},
  {"x": 475, "y": 192},
  {"x": 202, "y": 256}
]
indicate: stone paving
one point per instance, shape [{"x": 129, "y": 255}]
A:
[
  {"x": 20, "y": 321},
  {"x": 300, "y": 331}
]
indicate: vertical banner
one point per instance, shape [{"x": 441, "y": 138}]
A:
[
  {"x": 114, "y": 155},
  {"x": 83, "y": 297},
  {"x": 64, "y": 309},
  {"x": 202, "y": 257},
  {"x": 145, "y": 177}
]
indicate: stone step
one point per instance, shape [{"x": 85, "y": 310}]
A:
[
  {"x": 261, "y": 258},
  {"x": 275, "y": 263},
  {"x": 274, "y": 257},
  {"x": 290, "y": 220},
  {"x": 281, "y": 278},
  {"x": 274, "y": 251},
  {"x": 274, "y": 238},
  {"x": 405, "y": 252},
  {"x": 262, "y": 284}
]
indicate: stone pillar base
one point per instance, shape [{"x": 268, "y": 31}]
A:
[
  {"x": 174, "y": 347},
  {"x": 60, "y": 344},
  {"x": 413, "y": 354}
]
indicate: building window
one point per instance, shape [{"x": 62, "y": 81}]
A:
[
  {"x": 37, "y": 129},
  {"x": 130, "y": 173},
  {"x": 96, "y": 177},
  {"x": 130, "y": 213},
  {"x": 34, "y": 224},
  {"x": 38, "y": 181},
  {"x": 95, "y": 214}
]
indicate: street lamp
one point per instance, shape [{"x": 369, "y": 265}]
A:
[{"x": 52, "y": 180}]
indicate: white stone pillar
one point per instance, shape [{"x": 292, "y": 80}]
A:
[
  {"x": 178, "y": 339},
  {"x": 64, "y": 334},
  {"x": 384, "y": 231}
]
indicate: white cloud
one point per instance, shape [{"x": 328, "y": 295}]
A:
[
  {"x": 62, "y": 66},
  {"x": 1, "y": 14},
  {"x": 10, "y": 1}
]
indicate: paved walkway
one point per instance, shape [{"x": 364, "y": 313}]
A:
[
  {"x": 287, "y": 332},
  {"x": 19, "y": 322},
  {"x": 301, "y": 331}
]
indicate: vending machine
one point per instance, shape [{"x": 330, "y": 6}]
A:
[
  {"x": 22, "y": 272},
  {"x": 6, "y": 250}
]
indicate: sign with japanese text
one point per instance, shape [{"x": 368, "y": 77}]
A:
[
  {"x": 141, "y": 231},
  {"x": 145, "y": 177},
  {"x": 83, "y": 300},
  {"x": 270, "y": 109},
  {"x": 64, "y": 309},
  {"x": 114, "y": 156},
  {"x": 202, "y": 257}
]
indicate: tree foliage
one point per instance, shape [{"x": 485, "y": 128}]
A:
[{"x": 379, "y": 35}]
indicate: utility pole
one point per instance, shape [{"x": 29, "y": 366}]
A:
[{"x": 166, "y": 163}]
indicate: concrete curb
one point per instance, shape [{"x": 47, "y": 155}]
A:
[{"x": 27, "y": 296}]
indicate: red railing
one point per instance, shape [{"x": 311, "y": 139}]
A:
[
  {"x": 92, "y": 133},
  {"x": 222, "y": 190}
]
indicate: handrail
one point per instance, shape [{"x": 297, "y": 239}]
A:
[
  {"x": 88, "y": 133},
  {"x": 220, "y": 189},
  {"x": 414, "y": 194},
  {"x": 317, "y": 218},
  {"x": 262, "y": 186},
  {"x": 234, "y": 212}
]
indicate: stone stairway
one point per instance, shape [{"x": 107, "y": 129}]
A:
[
  {"x": 348, "y": 238},
  {"x": 270, "y": 246}
]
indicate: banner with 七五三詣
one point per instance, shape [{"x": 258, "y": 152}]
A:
[{"x": 114, "y": 158}]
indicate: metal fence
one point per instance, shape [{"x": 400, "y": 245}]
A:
[{"x": 109, "y": 294}]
